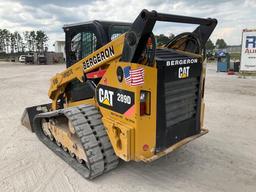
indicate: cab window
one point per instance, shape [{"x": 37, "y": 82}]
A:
[
  {"x": 83, "y": 44},
  {"x": 76, "y": 47},
  {"x": 117, "y": 30},
  {"x": 89, "y": 43}
]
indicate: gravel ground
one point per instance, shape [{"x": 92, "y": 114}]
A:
[{"x": 223, "y": 160}]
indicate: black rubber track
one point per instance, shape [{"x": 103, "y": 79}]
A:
[{"x": 88, "y": 126}]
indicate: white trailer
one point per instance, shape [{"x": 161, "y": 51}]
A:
[{"x": 248, "y": 52}]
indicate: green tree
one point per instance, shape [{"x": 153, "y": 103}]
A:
[
  {"x": 209, "y": 45},
  {"x": 27, "y": 41},
  {"x": 162, "y": 39},
  {"x": 221, "y": 44},
  {"x": 171, "y": 36},
  {"x": 7, "y": 40},
  {"x": 32, "y": 37},
  {"x": 1, "y": 41},
  {"x": 18, "y": 42},
  {"x": 41, "y": 39},
  {"x": 12, "y": 43}
]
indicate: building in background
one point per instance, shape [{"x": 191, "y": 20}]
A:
[
  {"x": 60, "y": 47},
  {"x": 234, "y": 49}
]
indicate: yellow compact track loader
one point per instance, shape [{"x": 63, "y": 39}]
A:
[{"x": 122, "y": 96}]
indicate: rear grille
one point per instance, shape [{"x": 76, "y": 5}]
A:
[{"x": 180, "y": 100}]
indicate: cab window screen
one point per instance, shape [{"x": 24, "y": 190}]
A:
[
  {"x": 89, "y": 43},
  {"x": 76, "y": 47}
]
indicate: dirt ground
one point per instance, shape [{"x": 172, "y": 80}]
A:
[{"x": 223, "y": 160}]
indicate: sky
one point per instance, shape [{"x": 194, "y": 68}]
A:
[{"x": 50, "y": 15}]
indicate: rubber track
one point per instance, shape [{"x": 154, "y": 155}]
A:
[
  {"x": 87, "y": 123},
  {"x": 93, "y": 117}
]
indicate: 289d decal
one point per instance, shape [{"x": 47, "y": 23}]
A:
[
  {"x": 117, "y": 100},
  {"x": 124, "y": 98}
]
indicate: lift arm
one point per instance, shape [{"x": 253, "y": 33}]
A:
[{"x": 142, "y": 27}]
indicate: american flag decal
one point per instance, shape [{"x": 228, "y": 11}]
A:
[{"x": 134, "y": 77}]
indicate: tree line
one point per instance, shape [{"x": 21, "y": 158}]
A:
[
  {"x": 220, "y": 44},
  {"x": 15, "y": 42},
  {"x": 163, "y": 40}
]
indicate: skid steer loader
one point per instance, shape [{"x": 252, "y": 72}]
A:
[{"x": 122, "y": 96}]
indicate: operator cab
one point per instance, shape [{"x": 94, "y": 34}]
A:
[{"x": 83, "y": 39}]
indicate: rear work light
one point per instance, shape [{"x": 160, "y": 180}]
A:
[{"x": 144, "y": 103}]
